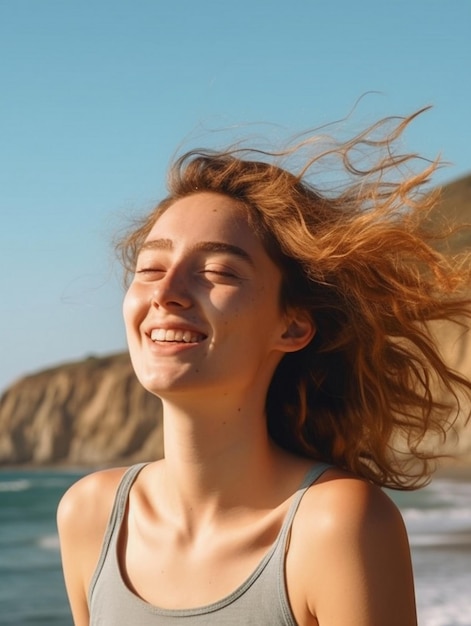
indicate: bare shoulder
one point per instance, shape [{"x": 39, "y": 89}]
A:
[
  {"x": 350, "y": 555},
  {"x": 82, "y": 518},
  {"x": 341, "y": 501},
  {"x": 86, "y": 505},
  {"x": 342, "y": 512}
]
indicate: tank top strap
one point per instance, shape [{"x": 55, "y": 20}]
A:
[
  {"x": 122, "y": 493},
  {"x": 116, "y": 518},
  {"x": 312, "y": 475}
]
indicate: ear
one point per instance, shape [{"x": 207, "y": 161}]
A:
[{"x": 300, "y": 329}]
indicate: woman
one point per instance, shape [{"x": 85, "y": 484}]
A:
[{"x": 286, "y": 333}]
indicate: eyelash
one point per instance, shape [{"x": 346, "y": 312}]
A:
[
  {"x": 151, "y": 270},
  {"x": 148, "y": 270},
  {"x": 220, "y": 273}
]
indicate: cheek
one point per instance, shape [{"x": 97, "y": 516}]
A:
[
  {"x": 258, "y": 312},
  {"x": 127, "y": 306},
  {"x": 132, "y": 307},
  {"x": 267, "y": 299}
]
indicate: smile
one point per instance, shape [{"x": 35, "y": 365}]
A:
[{"x": 176, "y": 335}]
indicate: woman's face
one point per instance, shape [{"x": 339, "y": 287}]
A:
[{"x": 203, "y": 310}]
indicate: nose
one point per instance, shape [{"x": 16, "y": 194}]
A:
[{"x": 172, "y": 292}]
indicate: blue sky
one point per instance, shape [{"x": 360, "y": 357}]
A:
[{"x": 96, "y": 96}]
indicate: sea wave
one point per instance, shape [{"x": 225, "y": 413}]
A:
[
  {"x": 451, "y": 517},
  {"x": 20, "y": 484},
  {"x": 49, "y": 542},
  {"x": 430, "y": 540},
  {"x": 438, "y": 527},
  {"x": 445, "y": 604},
  {"x": 34, "y": 481},
  {"x": 450, "y": 492}
]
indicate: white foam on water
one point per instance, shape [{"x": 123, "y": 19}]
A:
[
  {"x": 438, "y": 520},
  {"x": 440, "y": 515},
  {"x": 15, "y": 485},
  {"x": 442, "y": 526},
  {"x": 445, "y": 605},
  {"x": 451, "y": 492},
  {"x": 452, "y": 615},
  {"x": 49, "y": 542}
]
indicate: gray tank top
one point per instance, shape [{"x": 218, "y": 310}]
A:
[{"x": 260, "y": 601}]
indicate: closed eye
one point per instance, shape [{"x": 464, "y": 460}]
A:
[
  {"x": 220, "y": 273},
  {"x": 149, "y": 271}
]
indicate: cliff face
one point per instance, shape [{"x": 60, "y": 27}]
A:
[{"x": 89, "y": 412}]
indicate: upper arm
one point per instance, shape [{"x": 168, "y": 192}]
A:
[
  {"x": 82, "y": 517},
  {"x": 359, "y": 568}
]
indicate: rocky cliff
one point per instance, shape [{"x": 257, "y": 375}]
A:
[
  {"x": 85, "y": 413},
  {"x": 95, "y": 412}
]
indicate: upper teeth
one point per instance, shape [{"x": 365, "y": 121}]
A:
[{"x": 187, "y": 336}]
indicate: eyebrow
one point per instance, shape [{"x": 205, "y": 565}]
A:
[{"x": 203, "y": 246}]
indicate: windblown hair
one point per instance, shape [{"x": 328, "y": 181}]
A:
[{"x": 372, "y": 386}]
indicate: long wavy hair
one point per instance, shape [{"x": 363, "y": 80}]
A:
[{"x": 372, "y": 386}]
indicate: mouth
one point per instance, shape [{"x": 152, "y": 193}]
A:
[{"x": 176, "y": 335}]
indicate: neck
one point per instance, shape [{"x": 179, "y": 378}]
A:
[{"x": 213, "y": 454}]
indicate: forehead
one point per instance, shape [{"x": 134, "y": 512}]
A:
[{"x": 205, "y": 215}]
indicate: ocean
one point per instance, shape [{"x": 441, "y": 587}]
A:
[{"x": 32, "y": 593}]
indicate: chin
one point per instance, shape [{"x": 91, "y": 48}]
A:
[{"x": 162, "y": 384}]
